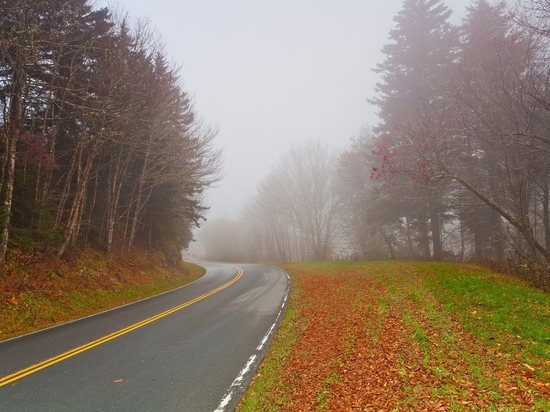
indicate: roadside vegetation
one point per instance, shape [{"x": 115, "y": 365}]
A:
[
  {"x": 399, "y": 336},
  {"x": 103, "y": 163},
  {"x": 42, "y": 291}
]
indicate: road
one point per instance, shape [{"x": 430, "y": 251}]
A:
[{"x": 191, "y": 349}]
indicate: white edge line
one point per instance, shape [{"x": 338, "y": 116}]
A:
[
  {"x": 227, "y": 398},
  {"x": 240, "y": 377}
]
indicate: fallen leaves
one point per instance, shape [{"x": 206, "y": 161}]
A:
[
  {"x": 377, "y": 341},
  {"x": 38, "y": 290}
]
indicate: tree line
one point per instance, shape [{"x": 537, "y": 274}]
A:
[
  {"x": 295, "y": 215},
  {"x": 458, "y": 166},
  {"x": 100, "y": 143}
]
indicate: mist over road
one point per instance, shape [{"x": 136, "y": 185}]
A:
[{"x": 191, "y": 349}]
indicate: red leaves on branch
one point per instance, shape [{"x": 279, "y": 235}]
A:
[
  {"x": 34, "y": 149},
  {"x": 408, "y": 157},
  {"x": 387, "y": 159}
]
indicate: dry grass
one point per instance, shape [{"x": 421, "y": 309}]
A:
[{"x": 38, "y": 291}]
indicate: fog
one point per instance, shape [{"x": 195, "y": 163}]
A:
[{"x": 274, "y": 74}]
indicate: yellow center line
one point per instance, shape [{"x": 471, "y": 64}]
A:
[{"x": 6, "y": 380}]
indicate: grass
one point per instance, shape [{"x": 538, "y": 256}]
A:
[
  {"x": 501, "y": 311},
  {"x": 288, "y": 333},
  {"x": 436, "y": 335},
  {"x": 35, "y": 295}
]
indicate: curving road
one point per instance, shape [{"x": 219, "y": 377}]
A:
[{"x": 192, "y": 349}]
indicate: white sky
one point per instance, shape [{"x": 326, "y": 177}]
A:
[{"x": 274, "y": 73}]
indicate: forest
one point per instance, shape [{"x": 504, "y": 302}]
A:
[
  {"x": 457, "y": 168},
  {"x": 100, "y": 144}
]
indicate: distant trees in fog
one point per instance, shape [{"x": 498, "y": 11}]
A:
[
  {"x": 100, "y": 145},
  {"x": 295, "y": 216}
]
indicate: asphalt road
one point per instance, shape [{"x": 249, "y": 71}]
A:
[{"x": 192, "y": 349}]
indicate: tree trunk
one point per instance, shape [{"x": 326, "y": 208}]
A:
[
  {"x": 462, "y": 237},
  {"x": 76, "y": 210},
  {"x": 546, "y": 210},
  {"x": 8, "y": 196},
  {"x": 409, "y": 238},
  {"x": 14, "y": 132},
  {"x": 150, "y": 236},
  {"x": 387, "y": 240},
  {"x": 139, "y": 203},
  {"x": 478, "y": 247},
  {"x": 498, "y": 241},
  {"x": 76, "y": 158},
  {"x": 114, "y": 182},
  {"x": 424, "y": 238},
  {"x": 91, "y": 207},
  {"x": 436, "y": 235},
  {"x": 135, "y": 216}
]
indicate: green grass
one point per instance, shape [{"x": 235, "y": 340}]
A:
[
  {"x": 288, "y": 333},
  {"x": 497, "y": 309},
  {"x": 323, "y": 396}
]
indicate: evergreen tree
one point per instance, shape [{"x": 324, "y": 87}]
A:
[
  {"x": 415, "y": 67},
  {"x": 415, "y": 64},
  {"x": 484, "y": 26}
]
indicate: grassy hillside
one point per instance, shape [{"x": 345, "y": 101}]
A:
[
  {"x": 398, "y": 336},
  {"x": 41, "y": 291}
]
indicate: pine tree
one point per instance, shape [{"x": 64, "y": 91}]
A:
[
  {"x": 415, "y": 67},
  {"x": 484, "y": 25},
  {"x": 415, "y": 63}
]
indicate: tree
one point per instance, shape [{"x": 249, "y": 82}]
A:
[
  {"x": 415, "y": 63},
  {"x": 489, "y": 132},
  {"x": 371, "y": 221},
  {"x": 415, "y": 67},
  {"x": 296, "y": 214},
  {"x": 496, "y": 97},
  {"x": 97, "y": 133},
  {"x": 37, "y": 37}
]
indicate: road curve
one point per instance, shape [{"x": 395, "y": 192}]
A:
[{"x": 191, "y": 349}]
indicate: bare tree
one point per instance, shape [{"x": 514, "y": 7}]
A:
[{"x": 299, "y": 201}]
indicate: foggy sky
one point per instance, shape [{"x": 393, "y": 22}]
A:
[{"x": 272, "y": 74}]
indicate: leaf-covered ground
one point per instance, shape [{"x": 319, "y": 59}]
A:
[
  {"x": 38, "y": 291},
  {"x": 406, "y": 337}
]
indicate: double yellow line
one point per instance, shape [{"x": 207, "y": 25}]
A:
[{"x": 6, "y": 380}]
